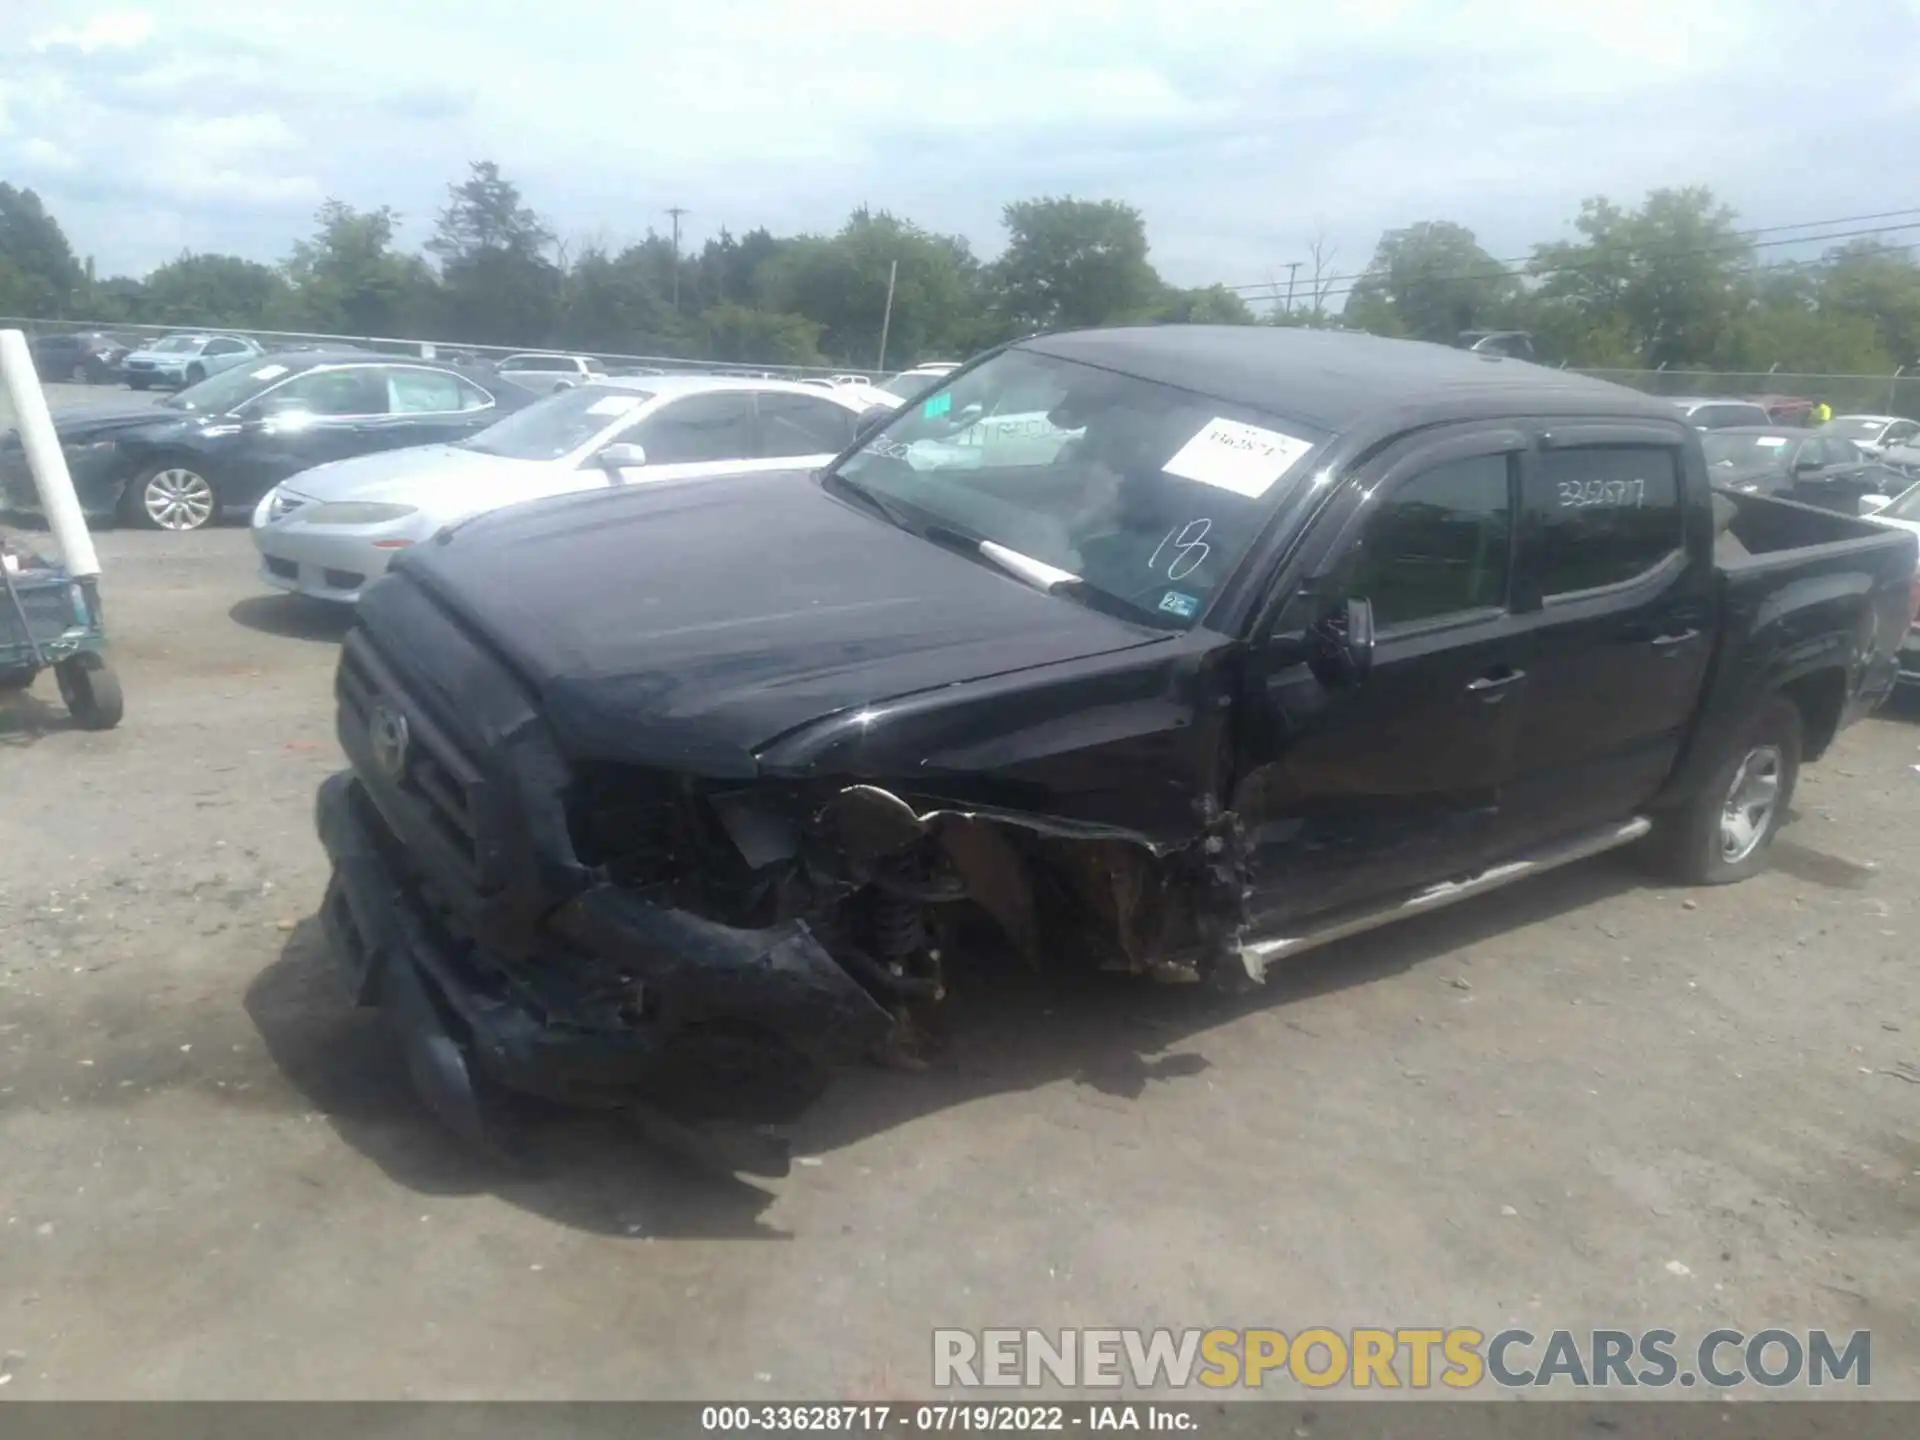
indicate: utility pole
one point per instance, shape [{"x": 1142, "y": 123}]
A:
[
  {"x": 676, "y": 212},
  {"x": 1292, "y": 267},
  {"x": 886, "y": 319}
]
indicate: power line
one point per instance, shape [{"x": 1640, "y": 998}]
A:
[
  {"x": 1500, "y": 269},
  {"x": 1494, "y": 268}
]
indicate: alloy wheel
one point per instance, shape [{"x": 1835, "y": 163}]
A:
[
  {"x": 1751, "y": 799},
  {"x": 177, "y": 499}
]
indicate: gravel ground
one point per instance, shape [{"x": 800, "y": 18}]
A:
[{"x": 1528, "y": 1109}]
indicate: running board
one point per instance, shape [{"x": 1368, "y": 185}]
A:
[{"x": 1257, "y": 955}]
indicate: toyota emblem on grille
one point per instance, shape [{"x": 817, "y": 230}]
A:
[{"x": 387, "y": 733}]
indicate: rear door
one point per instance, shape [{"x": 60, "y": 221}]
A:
[
  {"x": 801, "y": 431},
  {"x": 1354, "y": 790},
  {"x": 429, "y": 407},
  {"x": 708, "y": 433},
  {"x": 1616, "y": 573}
]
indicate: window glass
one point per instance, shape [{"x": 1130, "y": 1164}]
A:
[
  {"x": 560, "y": 425},
  {"x": 224, "y": 347},
  {"x": 1148, "y": 493},
  {"x": 1603, "y": 514},
  {"x": 802, "y": 425},
  {"x": 422, "y": 392},
  {"x": 359, "y": 391},
  {"x": 700, "y": 428},
  {"x": 1437, "y": 545}
]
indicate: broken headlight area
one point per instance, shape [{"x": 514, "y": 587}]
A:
[{"x": 893, "y": 888}]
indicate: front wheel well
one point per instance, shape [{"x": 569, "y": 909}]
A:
[{"x": 1819, "y": 696}]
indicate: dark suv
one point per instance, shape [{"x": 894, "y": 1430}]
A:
[{"x": 87, "y": 356}]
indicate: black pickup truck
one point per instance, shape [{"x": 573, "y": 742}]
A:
[{"x": 1179, "y": 650}]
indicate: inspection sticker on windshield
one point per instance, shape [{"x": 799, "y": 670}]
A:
[
  {"x": 613, "y": 405},
  {"x": 1178, "y": 602},
  {"x": 1771, "y": 442},
  {"x": 1232, "y": 456},
  {"x": 938, "y": 405},
  {"x": 269, "y": 372}
]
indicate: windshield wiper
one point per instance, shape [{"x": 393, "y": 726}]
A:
[{"x": 874, "y": 501}]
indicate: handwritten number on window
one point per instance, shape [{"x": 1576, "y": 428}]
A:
[
  {"x": 1186, "y": 549},
  {"x": 1579, "y": 494}
]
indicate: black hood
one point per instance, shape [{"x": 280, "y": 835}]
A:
[{"x": 686, "y": 625}]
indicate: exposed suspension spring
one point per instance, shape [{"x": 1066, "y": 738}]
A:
[{"x": 899, "y": 931}]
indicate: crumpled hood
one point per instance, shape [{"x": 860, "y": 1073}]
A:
[{"x": 686, "y": 625}]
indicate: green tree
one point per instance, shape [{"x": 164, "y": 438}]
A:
[
  {"x": 622, "y": 303},
  {"x": 348, "y": 278},
  {"x": 738, "y": 333},
  {"x": 1431, "y": 281},
  {"x": 1673, "y": 277},
  {"x": 840, "y": 282},
  {"x": 1880, "y": 284},
  {"x": 1206, "y": 305},
  {"x": 39, "y": 277},
  {"x": 1072, "y": 263},
  {"x": 214, "y": 291},
  {"x": 498, "y": 284}
]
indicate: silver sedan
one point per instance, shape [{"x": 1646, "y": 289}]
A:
[{"x": 328, "y": 532}]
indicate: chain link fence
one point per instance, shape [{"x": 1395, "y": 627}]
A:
[
  {"x": 136, "y": 335},
  {"x": 1896, "y": 394}
]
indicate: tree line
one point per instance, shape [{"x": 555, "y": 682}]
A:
[{"x": 1674, "y": 282}]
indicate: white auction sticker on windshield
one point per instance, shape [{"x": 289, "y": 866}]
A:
[
  {"x": 269, "y": 372},
  {"x": 1238, "y": 457},
  {"x": 613, "y": 405},
  {"x": 1771, "y": 442}
]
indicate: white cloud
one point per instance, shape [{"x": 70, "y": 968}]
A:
[
  {"x": 111, "y": 30},
  {"x": 1240, "y": 129}
]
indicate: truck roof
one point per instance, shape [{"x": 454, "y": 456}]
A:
[{"x": 1337, "y": 379}]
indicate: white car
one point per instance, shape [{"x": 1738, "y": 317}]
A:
[
  {"x": 917, "y": 381},
  {"x": 328, "y": 532},
  {"x": 551, "y": 372},
  {"x": 1900, "y": 512},
  {"x": 1875, "y": 434}
]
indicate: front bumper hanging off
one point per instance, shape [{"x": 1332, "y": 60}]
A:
[{"x": 728, "y": 1026}]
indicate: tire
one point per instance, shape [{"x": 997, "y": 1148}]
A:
[
  {"x": 16, "y": 677},
  {"x": 91, "y": 690},
  {"x": 171, "y": 495},
  {"x": 137, "y": 383},
  {"x": 195, "y": 374},
  {"x": 1703, "y": 843}
]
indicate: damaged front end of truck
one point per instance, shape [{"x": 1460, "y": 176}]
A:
[{"x": 706, "y": 943}]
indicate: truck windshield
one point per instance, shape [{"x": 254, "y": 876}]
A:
[
  {"x": 1145, "y": 492},
  {"x": 553, "y": 428}
]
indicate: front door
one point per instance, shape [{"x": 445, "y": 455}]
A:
[
  {"x": 1352, "y": 790},
  {"x": 706, "y": 433},
  {"x": 312, "y": 419}
]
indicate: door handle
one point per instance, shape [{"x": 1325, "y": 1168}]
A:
[
  {"x": 1667, "y": 642},
  {"x": 1495, "y": 684}
]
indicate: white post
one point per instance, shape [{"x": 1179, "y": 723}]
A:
[{"x": 57, "y": 500}]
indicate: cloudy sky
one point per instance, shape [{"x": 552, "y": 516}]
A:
[{"x": 1241, "y": 130}]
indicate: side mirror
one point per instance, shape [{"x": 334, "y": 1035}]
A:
[
  {"x": 870, "y": 420},
  {"x": 621, "y": 455},
  {"x": 1874, "y": 504},
  {"x": 1340, "y": 643}
]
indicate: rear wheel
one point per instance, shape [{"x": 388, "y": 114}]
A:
[
  {"x": 195, "y": 374},
  {"x": 171, "y": 496},
  {"x": 91, "y": 690},
  {"x": 16, "y": 677},
  {"x": 1722, "y": 834},
  {"x": 137, "y": 382}
]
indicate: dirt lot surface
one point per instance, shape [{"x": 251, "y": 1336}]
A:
[{"x": 1585, "y": 1101}]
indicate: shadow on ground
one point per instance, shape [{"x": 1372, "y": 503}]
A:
[
  {"x": 1005, "y": 1030},
  {"x": 25, "y": 718},
  {"x": 292, "y": 617}
]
